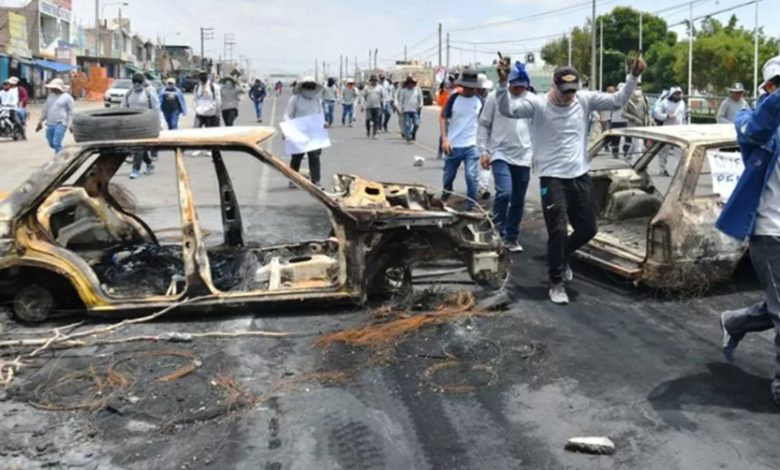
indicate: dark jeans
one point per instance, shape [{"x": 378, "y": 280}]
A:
[
  {"x": 229, "y": 116},
  {"x": 411, "y": 122},
  {"x": 314, "y": 164},
  {"x": 567, "y": 201},
  {"x": 141, "y": 156},
  {"x": 172, "y": 120},
  {"x": 346, "y": 114},
  {"x": 511, "y": 186},
  {"x": 206, "y": 121},
  {"x": 387, "y": 113},
  {"x": 614, "y": 142},
  {"x": 765, "y": 256},
  {"x": 373, "y": 115}
]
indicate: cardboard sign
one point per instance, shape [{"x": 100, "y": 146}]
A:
[
  {"x": 305, "y": 134},
  {"x": 726, "y": 169}
]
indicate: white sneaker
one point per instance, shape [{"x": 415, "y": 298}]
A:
[
  {"x": 558, "y": 294},
  {"x": 514, "y": 247},
  {"x": 568, "y": 275}
]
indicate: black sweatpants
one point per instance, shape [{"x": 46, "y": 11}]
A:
[
  {"x": 373, "y": 115},
  {"x": 206, "y": 121},
  {"x": 314, "y": 164},
  {"x": 229, "y": 115},
  {"x": 564, "y": 201}
]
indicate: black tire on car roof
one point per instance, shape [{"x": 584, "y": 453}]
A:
[{"x": 115, "y": 124}]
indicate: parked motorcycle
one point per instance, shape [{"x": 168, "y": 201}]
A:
[{"x": 9, "y": 128}]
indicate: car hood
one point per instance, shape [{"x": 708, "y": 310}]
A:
[{"x": 116, "y": 91}]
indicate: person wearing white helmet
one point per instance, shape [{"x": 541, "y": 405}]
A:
[
  {"x": 753, "y": 213},
  {"x": 672, "y": 113}
]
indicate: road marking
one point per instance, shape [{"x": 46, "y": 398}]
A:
[
  {"x": 262, "y": 191},
  {"x": 422, "y": 146}
]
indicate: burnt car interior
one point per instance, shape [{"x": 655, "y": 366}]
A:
[
  {"x": 133, "y": 260},
  {"x": 628, "y": 196}
]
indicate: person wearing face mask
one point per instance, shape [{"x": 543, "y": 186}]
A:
[
  {"x": 753, "y": 213},
  {"x": 732, "y": 105},
  {"x": 330, "y": 94},
  {"x": 560, "y": 121},
  {"x": 617, "y": 121},
  {"x": 373, "y": 102},
  {"x": 305, "y": 102},
  {"x": 172, "y": 104},
  {"x": 257, "y": 94},
  {"x": 141, "y": 96},
  {"x": 505, "y": 146},
  {"x": 230, "y": 95},
  {"x": 208, "y": 102},
  {"x": 672, "y": 113},
  {"x": 636, "y": 114}
]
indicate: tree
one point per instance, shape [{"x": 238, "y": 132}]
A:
[
  {"x": 621, "y": 30},
  {"x": 556, "y": 52}
]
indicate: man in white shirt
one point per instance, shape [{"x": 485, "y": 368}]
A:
[
  {"x": 9, "y": 98},
  {"x": 505, "y": 145},
  {"x": 561, "y": 119},
  {"x": 671, "y": 112},
  {"x": 459, "y": 122}
]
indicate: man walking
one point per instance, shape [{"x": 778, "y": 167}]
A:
[
  {"x": 349, "y": 95},
  {"x": 458, "y": 123},
  {"x": 141, "y": 96},
  {"x": 732, "y": 105},
  {"x": 671, "y": 112},
  {"x": 172, "y": 104},
  {"x": 410, "y": 102},
  {"x": 560, "y": 137},
  {"x": 208, "y": 102},
  {"x": 57, "y": 113},
  {"x": 230, "y": 96},
  {"x": 505, "y": 145},
  {"x": 387, "y": 105},
  {"x": 305, "y": 102},
  {"x": 330, "y": 94},
  {"x": 257, "y": 94},
  {"x": 637, "y": 114},
  {"x": 373, "y": 103},
  {"x": 753, "y": 212}
]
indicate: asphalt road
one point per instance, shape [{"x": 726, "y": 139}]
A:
[{"x": 500, "y": 391}]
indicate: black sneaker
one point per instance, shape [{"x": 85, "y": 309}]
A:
[{"x": 730, "y": 342}]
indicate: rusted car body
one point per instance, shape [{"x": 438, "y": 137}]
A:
[
  {"x": 54, "y": 236},
  {"x": 667, "y": 240}
]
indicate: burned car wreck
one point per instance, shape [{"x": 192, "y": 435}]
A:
[
  {"x": 659, "y": 229},
  {"x": 66, "y": 243}
]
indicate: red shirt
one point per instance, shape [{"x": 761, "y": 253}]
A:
[{"x": 23, "y": 96}]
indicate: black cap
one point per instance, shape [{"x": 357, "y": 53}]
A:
[
  {"x": 139, "y": 77},
  {"x": 566, "y": 78}
]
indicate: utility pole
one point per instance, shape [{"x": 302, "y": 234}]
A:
[
  {"x": 205, "y": 34},
  {"x": 593, "y": 48},
  {"x": 316, "y": 70},
  {"x": 569, "y": 48},
  {"x": 97, "y": 29},
  {"x": 369, "y": 60},
  {"x": 601, "y": 56},
  {"x": 324, "y": 71},
  {"x": 405, "y": 59},
  {"x": 755, "y": 55},
  {"x": 641, "y": 27},
  {"x": 376, "y": 53},
  {"x": 341, "y": 68},
  {"x": 690, "y": 57},
  {"x": 448, "y": 51},
  {"x": 448, "y": 36},
  {"x": 229, "y": 42}
]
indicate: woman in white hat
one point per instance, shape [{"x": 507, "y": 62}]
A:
[
  {"x": 57, "y": 113},
  {"x": 305, "y": 102}
]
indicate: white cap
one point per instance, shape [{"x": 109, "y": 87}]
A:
[{"x": 771, "y": 69}]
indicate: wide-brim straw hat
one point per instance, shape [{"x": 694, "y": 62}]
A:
[{"x": 57, "y": 84}]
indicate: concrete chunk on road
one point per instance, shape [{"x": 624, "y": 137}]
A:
[{"x": 591, "y": 445}]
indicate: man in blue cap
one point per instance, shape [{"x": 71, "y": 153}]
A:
[{"x": 505, "y": 147}]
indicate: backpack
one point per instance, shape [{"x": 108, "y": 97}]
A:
[
  {"x": 148, "y": 98},
  {"x": 446, "y": 112},
  {"x": 211, "y": 84},
  {"x": 170, "y": 101}
]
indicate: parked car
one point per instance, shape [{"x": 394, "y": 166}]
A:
[
  {"x": 660, "y": 230},
  {"x": 67, "y": 244},
  {"x": 117, "y": 92}
]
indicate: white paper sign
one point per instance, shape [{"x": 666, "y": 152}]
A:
[
  {"x": 305, "y": 134},
  {"x": 726, "y": 169}
]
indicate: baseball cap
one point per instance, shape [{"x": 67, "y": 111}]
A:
[{"x": 566, "y": 78}]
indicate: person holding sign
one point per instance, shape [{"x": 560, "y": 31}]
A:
[
  {"x": 306, "y": 102},
  {"x": 559, "y": 130},
  {"x": 753, "y": 213}
]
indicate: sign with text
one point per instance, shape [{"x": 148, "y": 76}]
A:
[
  {"x": 17, "y": 29},
  {"x": 58, "y": 9},
  {"x": 726, "y": 169}
]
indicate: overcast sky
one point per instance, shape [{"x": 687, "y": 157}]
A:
[{"x": 287, "y": 35}]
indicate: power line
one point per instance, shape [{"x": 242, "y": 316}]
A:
[
  {"x": 507, "y": 41},
  {"x": 554, "y": 12},
  {"x": 711, "y": 14}
]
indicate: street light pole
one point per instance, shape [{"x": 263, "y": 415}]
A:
[
  {"x": 570, "y": 47},
  {"x": 601, "y": 55},
  {"x": 690, "y": 58},
  {"x": 593, "y": 48},
  {"x": 641, "y": 26},
  {"x": 755, "y": 55}
]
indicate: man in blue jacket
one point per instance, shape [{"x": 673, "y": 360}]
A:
[
  {"x": 753, "y": 212},
  {"x": 257, "y": 94},
  {"x": 172, "y": 104}
]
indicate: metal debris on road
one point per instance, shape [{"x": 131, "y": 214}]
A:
[{"x": 591, "y": 445}]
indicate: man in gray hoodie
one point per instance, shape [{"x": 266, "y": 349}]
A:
[
  {"x": 732, "y": 105},
  {"x": 561, "y": 119},
  {"x": 349, "y": 95},
  {"x": 141, "y": 96},
  {"x": 231, "y": 96},
  {"x": 373, "y": 103},
  {"x": 305, "y": 102}
]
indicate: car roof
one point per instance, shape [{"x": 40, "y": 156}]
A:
[
  {"x": 693, "y": 134},
  {"x": 239, "y": 135}
]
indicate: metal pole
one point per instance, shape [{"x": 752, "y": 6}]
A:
[
  {"x": 448, "y": 35},
  {"x": 97, "y": 28},
  {"x": 569, "y": 48},
  {"x": 202, "y": 48},
  {"x": 755, "y": 54},
  {"x": 341, "y": 69},
  {"x": 376, "y": 53},
  {"x": 405, "y": 56},
  {"x": 641, "y": 26},
  {"x": 601, "y": 56},
  {"x": 448, "y": 51},
  {"x": 316, "y": 70},
  {"x": 690, "y": 58},
  {"x": 593, "y": 49}
]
